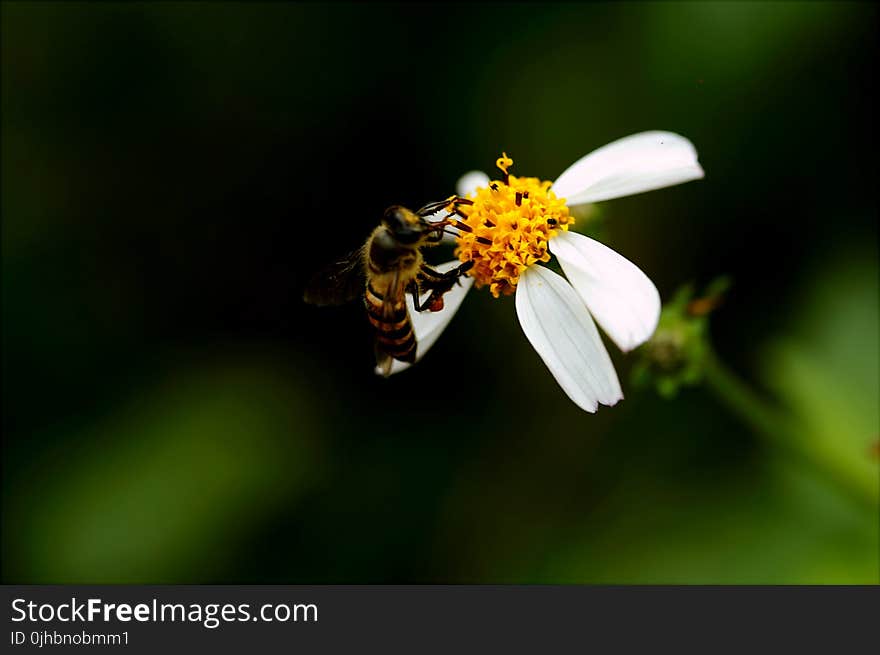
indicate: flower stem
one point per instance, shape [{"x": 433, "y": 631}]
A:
[{"x": 786, "y": 435}]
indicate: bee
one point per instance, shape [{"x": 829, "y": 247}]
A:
[{"x": 384, "y": 269}]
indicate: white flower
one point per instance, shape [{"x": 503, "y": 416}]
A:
[{"x": 508, "y": 227}]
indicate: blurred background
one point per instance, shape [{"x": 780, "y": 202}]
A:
[{"x": 172, "y": 175}]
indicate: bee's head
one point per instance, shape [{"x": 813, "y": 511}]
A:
[{"x": 407, "y": 227}]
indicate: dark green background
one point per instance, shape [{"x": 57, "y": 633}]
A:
[{"x": 173, "y": 173}]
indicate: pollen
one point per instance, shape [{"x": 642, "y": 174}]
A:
[{"x": 506, "y": 227}]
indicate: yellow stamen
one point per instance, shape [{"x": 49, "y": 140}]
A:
[{"x": 511, "y": 223}]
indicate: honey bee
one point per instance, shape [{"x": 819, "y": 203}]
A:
[{"x": 383, "y": 270}]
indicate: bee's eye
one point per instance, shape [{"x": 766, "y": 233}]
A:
[
  {"x": 400, "y": 222},
  {"x": 395, "y": 219}
]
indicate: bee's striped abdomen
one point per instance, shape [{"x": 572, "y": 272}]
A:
[{"x": 394, "y": 332}]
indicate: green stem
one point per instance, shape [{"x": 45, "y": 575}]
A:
[{"x": 787, "y": 435}]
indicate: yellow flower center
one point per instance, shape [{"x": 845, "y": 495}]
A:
[{"x": 506, "y": 227}]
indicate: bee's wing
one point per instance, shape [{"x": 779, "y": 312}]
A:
[
  {"x": 384, "y": 361},
  {"x": 392, "y": 295},
  {"x": 340, "y": 282}
]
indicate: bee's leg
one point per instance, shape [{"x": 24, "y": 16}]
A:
[
  {"x": 439, "y": 284},
  {"x": 414, "y": 290},
  {"x": 434, "y": 302},
  {"x": 428, "y": 275},
  {"x": 432, "y": 275},
  {"x": 437, "y": 228}
]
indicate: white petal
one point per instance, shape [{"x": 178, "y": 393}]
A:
[
  {"x": 429, "y": 325},
  {"x": 469, "y": 182},
  {"x": 619, "y": 296},
  {"x": 560, "y": 329},
  {"x": 633, "y": 164}
]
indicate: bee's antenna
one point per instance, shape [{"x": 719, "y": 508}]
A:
[{"x": 433, "y": 207}]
